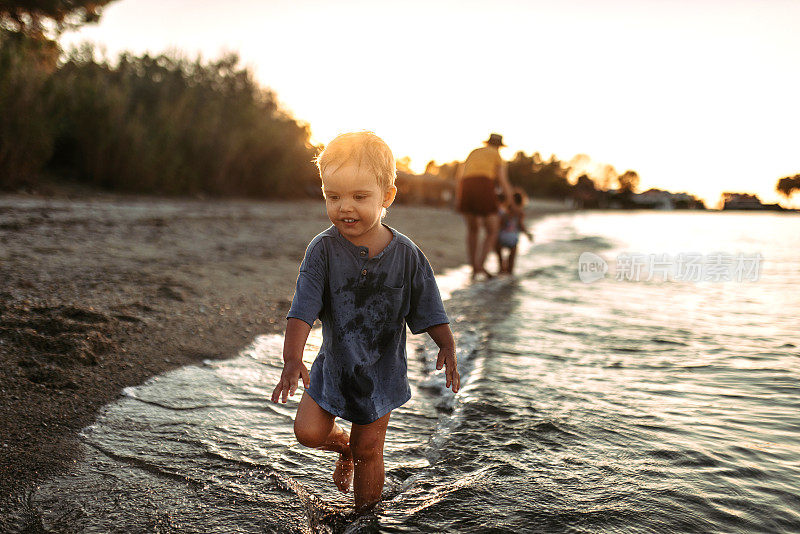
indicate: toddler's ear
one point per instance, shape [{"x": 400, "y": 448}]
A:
[{"x": 388, "y": 197}]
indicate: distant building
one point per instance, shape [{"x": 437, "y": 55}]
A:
[
  {"x": 654, "y": 199},
  {"x": 745, "y": 201},
  {"x": 665, "y": 200}
]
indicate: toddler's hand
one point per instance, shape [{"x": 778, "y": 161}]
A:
[
  {"x": 292, "y": 371},
  {"x": 447, "y": 357}
]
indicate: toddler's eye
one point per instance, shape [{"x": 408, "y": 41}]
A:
[
  {"x": 360, "y": 197},
  {"x": 333, "y": 197}
]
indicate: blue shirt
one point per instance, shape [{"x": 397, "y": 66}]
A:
[{"x": 364, "y": 304}]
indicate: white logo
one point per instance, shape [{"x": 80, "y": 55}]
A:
[{"x": 591, "y": 267}]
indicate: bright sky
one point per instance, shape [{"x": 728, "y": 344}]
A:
[{"x": 695, "y": 95}]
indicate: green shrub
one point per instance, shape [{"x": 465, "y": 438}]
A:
[
  {"x": 26, "y": 129},
  {"x": 152, "y": 124}
]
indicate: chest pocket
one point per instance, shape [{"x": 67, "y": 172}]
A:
[
  {"x": 367, "y": 304},
  {"x": 390, "y": 304}
]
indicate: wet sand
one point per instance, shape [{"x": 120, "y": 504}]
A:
[{"x": 100, "y": 292}]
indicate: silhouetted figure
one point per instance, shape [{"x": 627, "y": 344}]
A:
[
  {"x": 476, "y": 198},
  {"x": 512, "y": 222}
]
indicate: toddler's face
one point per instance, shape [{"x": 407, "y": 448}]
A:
[{"x": 354, "y": 201}]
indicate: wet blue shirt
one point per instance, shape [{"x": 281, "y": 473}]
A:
[{"x": 364, "y": 304}]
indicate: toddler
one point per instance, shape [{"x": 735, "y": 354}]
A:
[
  {"x": 512, "y": 221},
  {"x": 365, "y": 281}
]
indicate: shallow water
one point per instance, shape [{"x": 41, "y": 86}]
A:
[{"x": 615, "y": 406}]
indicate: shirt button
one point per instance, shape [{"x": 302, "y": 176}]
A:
[
  {"x": 363, "y": 252},
  {"x": 364, "y": 272}
]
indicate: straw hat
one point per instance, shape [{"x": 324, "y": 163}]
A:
[{"x": 495, "y": 139}]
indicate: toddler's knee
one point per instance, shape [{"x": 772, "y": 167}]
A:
[{"x": 308, "y": 436}]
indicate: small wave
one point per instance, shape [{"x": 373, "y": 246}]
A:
[
  {"x": 478, "y": 410},
  {"x": 151, "y": 468},
  {"x": 565, "y": 300},
  {"x": 505, "y": 470},
  {"x": 765, "y": 355},
  {"x": 546, "y": 427},
  {"x": 130, "y": 392},
  {"x": 685, "y": 458},
  {"x": 664, "y": 341},
  {"x": 549, "y": 434},
  {"x": 593, "y": 241},
  {"x": 513, "y": 446},
  {"x": 659, "y": 428},
  {"x": 632, "y": 350},
  {"x": 744, "y": 472},
  {"x": 566, "y": 332},
  {"x": 550, "y": 271}
]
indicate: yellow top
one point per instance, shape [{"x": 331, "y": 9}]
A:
[{"x": 483, "y": 161}]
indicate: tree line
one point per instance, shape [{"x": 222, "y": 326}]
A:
[
  {"x": 159, "y": 124},
  {"x": 788, "y": 185}
]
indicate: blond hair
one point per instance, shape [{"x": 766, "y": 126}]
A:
[{"x": 364, "y": 149}]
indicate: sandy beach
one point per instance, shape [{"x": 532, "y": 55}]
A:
[{"x": 100, "y": 292}]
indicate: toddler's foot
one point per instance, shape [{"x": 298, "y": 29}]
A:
[{"x": 343, "y": 474}]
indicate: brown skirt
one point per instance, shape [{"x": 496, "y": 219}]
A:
[{"x": 476, "y": 196}]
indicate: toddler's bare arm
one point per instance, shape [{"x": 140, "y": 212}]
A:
[
  {"x": 443, "y": 338},
  {"x": 523, "y": 227},
  {"x": 293, "y": 367}
]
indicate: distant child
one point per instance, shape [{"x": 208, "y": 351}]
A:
[
  {"x": 365, "y": 281},
  {"x": 512, "y": 222}
]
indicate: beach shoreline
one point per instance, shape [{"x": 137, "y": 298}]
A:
[{"x": 103, "y": 291}]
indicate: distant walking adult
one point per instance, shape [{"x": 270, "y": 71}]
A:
[{"x": 476, "y": 198}]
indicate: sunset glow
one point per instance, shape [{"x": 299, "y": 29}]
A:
[{"x": 698, "y": 97}]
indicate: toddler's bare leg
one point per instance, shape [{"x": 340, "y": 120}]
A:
[
  {"x": 499, "y": 251},
  {"x": 511, "y": 257},
  {"x": 366, "y": 442},
  {"x": 316, "y": 428}
]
